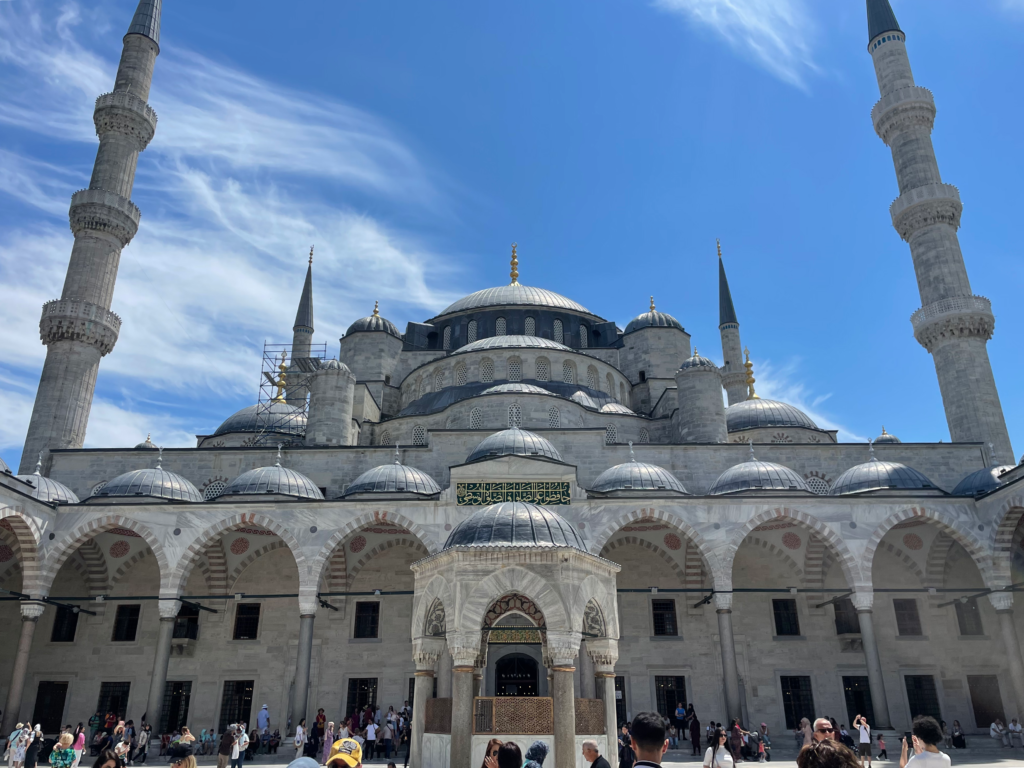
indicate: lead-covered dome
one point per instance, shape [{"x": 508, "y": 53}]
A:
[
  {"x": 276, "y": 480},
  {"x": 758, "y": 414},
  {"x": 754, "y": 475},
  {"x": 653, "y": 319},
  {"x": 157, "y": 483},
  {"x": 698, "y": 362},
  {"x": 886, "y": 438},
  {"x": 374, "y": 323},
  {"x": 982, "y": 481},
  {"x": 617, "y": 408},
  {"x": 875, "y": 475},
  {"x": 48, "y": 491},
  {"x": 394, "y": 478},
  {"x": 514, "y": 442},
  {"x": 514, "y": 341},
  {"x": 276, "y": 417},
  {"x": 147, "y": 445},
  {"x": 637, "y": 476},
  {"x": 516, "y": 388},
  {"x": 515, "y": 524},
  {"x": 515, "y": 295}
]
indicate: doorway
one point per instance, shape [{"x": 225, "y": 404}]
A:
[
  {"x": 516, "y": 675},
  {"x": 49, "y": 709},
  {"x": 985, "y": 699}
]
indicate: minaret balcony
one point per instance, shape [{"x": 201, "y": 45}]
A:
[
  {"x": 126, "y": 114},
  {"x": 104, "y": 211},
  {"x": 956, "y": 317},
  {"x": 74, "y": 320},
  {"x": 925, "y": 206},
  {"x": 910, "y": 107}
]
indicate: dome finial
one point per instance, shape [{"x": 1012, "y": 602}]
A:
[
  {"x": 751, "y": 394},
  {"x": 632, "y": 456},
  {"x": 652, "y": 303},
  {"x": 695, "y": 353},
  {"x": 750, "y": 443},
  {"x": 39, "y": 464},
  {"x": 719, "y": 242},
  {"x": 514, "y": 274},
  {"x": 311, "y": 255},
  {"x": 376, "y": 308},
  {"x": 279, "y": 447},
  {"x": 160, "y": 457},
  {"x": 281, "y": 383},
  {"x": 883, "y": 430}
]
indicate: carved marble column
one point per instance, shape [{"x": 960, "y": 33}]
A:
[
  {"x": 561, "y": 649},
  {"x": 587, "y": 682},
  {"x": 444, "y": 674},
  {"x": 1003, "y": 603},
  {"x": 30, "y": 613},
  {"x": 303, "y": 660},
  {"x": 465, "y": 650},
  {"x": 426, "y": 652},
  {"x": 863, "y": 601},
  {"x": 605, "y": 652},
  {"x": 730, "y": 670},
  {"x": 157, "y": 686}
]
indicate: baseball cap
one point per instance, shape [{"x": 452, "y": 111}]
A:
[{"x": 347, "y": 752}]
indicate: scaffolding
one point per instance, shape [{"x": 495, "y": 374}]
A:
[{"x": 283, "y": 395}]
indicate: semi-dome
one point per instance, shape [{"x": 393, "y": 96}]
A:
[
  {"x": 46, "y": 490},
  {"x": 372, "y": 323},
  {"x": 394, "y": 478},
  {"x": 147, "y": 445},
  {"x": 653, "y": 319},
  {"x": 3, "y": 466},
  {"x": 515, "y": 295},
  {"x": 981, "y": 481},
  {"x": 158, "y": 483},
  {"x": 698, "y": 362},
  {"x": 514, "y": 442},
  {"x": 512, "y": 342},
  {"x": 875, "y": 475},
  {"x": 753, "y": 475},
  {"x": 515, "y": 524},
  {"x": 885, "y": 437},
  {"x": 515, "y": 388},
  {"x": 584, "y": 398},
  {"x": 617, "y": 408},
  {"x": 276, "y": 417},
  {"x": 758, "y": 413},
  {"x": 637, "y": 476},
  {"x": 276, "y": 479}
]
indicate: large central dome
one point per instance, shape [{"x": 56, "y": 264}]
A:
[{"x": 515, "y": 295}]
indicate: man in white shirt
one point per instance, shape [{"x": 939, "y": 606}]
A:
[
  {"x": 864, "y": 746},
  {"x": 1015, "y": 731},
  {"x": 927, "y": 735},
  {"x": 998, "y": 732},
  {"x": 371, "y": 740}
]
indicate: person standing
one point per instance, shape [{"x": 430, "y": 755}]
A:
[
  {"x": 226, "y": 747},
  {"x": 78, "y": 745},
  {"x": 823, "y": 729},
  {"x": 263, "y": 721},
  {"x": 926, "y": 735},
  {"x": 371, "y": 739},
  {"x": 647, "y": 738},
  {"x": 883, "y": 754},
  {"x": 328, "y": 743},
  {"x": 592, "y": 755},
  {"x": 864, "y": 745},
  {"x": 300, "y": 738},
  {"x": 626, "y": 754},
  {"x": 695, "y": 735},
  {"x": 680, "y": 722},
  {"x": 32, "y": 750},
  {"x": 143, "y": 742},
  {"x": 388, "y": 734},
  {"x": 94, "y": 725},
  {"x": 718, "y": 754},
  {"x": 63, "y": 756}
]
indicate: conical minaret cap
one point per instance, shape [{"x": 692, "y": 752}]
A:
[
  {"x": 304, "y": 315},
  {"x": 726, "y": 310},
  {"x": 881, "y": 19},
  {"x": 146, "y": 21}
]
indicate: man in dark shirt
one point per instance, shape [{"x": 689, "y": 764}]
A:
[
  {"x": 593, "y": 756},
  {"x": 647, "y": 735},
  {"x": 227, "y": 741}
]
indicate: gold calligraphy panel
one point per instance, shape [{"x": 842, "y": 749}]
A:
[{"x": 482, "y": 494}]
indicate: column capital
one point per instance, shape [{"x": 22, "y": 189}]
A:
[
  {"x": 605, "y": 652},
  {"x": 863, "y": 599},
  {"x": 464, "y": 648},
  {"x": 308, "y": 602},
  {"x": 723, "y": 601},
  {"x": 561, "y": 647},
  {"x": 31, "y": 610},
  {"x": 1001, "y": 601},
  {"x": 169, "y": 608},
  {"x": 425, "y": 652}
]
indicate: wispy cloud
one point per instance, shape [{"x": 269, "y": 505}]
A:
[{"x": 774, "y": 33}]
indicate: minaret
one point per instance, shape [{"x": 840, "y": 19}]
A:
[
  {"x": 79, "y": 328},
  {"x": 953, "y": 324},
  {"x": 734, "y": 378},
  {"x": 302, "y": 333}
]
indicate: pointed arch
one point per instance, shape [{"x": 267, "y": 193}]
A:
[
  {"x": 592, "y": 590},
  {"x": 635, "y": 541},
  {"x": 436, "y": 589},
  {"x": 384, "y": 546},
  {"x": 128, "y": 564},
  {"x": 251, "y": 558},
  {"x": 26, "y": 535},
  {"x": 814, "y": 562},
  {"x": 935, "y": 569},
  {"x": 1010, "y": 514},
  {"x": 214, "y": 567},
  {"x": 513, "y": 580}
]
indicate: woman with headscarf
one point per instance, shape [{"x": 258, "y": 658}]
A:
[
  {"x": 695, "y": 734},
  {"x": 807, "y": 731}
]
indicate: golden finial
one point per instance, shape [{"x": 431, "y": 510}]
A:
[
  {"x": 695, "y": 352},
  {"x": 311, "y": 255},
  {"x": 281, "y": 383},
  {"x": 719, "y": 247},
  {"x": 514, "y": 274},
  {"x": 751, "y": 394},
  {"x": 652, "y": 303},
  {"x": 883, "y": 430},
  {"x": 376, "y": 309}
]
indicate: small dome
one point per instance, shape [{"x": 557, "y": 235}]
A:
[
  {"x": 878, "y": 475},
  {"x": 758, "y": 413},
  {"x": 333, "y": 365},
  {"x": 885, "y": 437},
  {"x": 515, "y": 388},
  {"x": 981, "y": 481},
  {"x": 514, "y": 442},
  {"x": 616, "y": 408},
  {"x": 584, "y": 399},
  {"x": 515, "y": 524},
  {"x": 158, "y": 483},
  {"x": 754, "y": 475},
  {"x": 697, "y": 362},
  {"x": 637, "y": 476},
  {"x": 512, "y": 342},
  {"x": 394, "y": 478},
  {"x": 653, "y": 319},
  {"x": 514, "y": 295},
  {"x": 148, "y": 445},
  {"x": 275, "y": 479},
  {"x": 276, "y": 417},
  {"x": 374, "y": 323},
  {"x": 48, "y": 491}
]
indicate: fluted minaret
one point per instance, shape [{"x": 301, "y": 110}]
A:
[
  {"x": 953, "y": 324},
  {"x": 302, "y": 335},
  {"x": 734, "y": 378},
  {"x": 79, "y": 328}
]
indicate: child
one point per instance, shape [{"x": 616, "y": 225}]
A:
[{"x": 882, "y": 754}]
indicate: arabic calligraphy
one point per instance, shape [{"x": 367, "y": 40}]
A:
[{"x": 482, "y": 494}]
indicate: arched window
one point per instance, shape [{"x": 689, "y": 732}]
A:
[
  {"x": 439, "y": 380},
  {"x": 610, "y": 382},
  {"x": 419, "y": 435},
  {"x": 781, "y": 437},
  {"x": 568, "y": 374},
  {"x": 471, "y": 333},
  {"x": 515, "y": 416},
  {"x": 531, "y": 327},
  {"x": 645, "y": 437},
  {"x": 385, "y": 438},
  {"x": 476, "y": 419},
  {"x": 97, "y": 488},
  {"x": 818, "y": 486},
  {"x": 554, "y": 419},
  {"x": 214, "y": 489},
  {"x": 487, "y": 370},
  {"x": 499, "y": 326},
  {"x": 515, "y": 369},
  {"x": 460, "y": 375},
  {"x": 584, "y": 337},
  {"x": 557, "y": 332},
  {"x": 610, "y": 434},
  {"x": 543, "y": 369},
  {"x": 592, "y": 377},
  {"x": 447, "y": 337}
]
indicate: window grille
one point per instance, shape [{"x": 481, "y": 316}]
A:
[
  {"x": 439, "y": 380},
  {"x": 515, "y": 416},
  {"x": 543, "y": 369},
  {"x": 367, "y": 619},
  {"x": 968, "y": 617},
  {"x": 385, "y": 438},
  {"x": 476, "y": 419},
  {"x": 568, "y": 376},
  {"x": 584, "y": 337},
  {"x": 515, "y": 369},
  {"x": 557, "y": 332},
  {"x": 531, "y": 327},
  {"x": 610, "y": 434},
  {"x": 499, "y": 326},
  {"x": 846, "y": 617},
  {"x": 247, "y": 621},
  {"x": 186, "y": 623},
  {"x": 460, "y": 376},
  {"x": 787, "y": 622},
  {"x": 361, "y": 691},
  {"x": 114, "y": 698},
  {"x": 554, "y": 420},
  {"x": 664, "y": 617},
  {"x": 486, "y": 370},
  {"x": 908, "y": 620},
  {"x": 447, "y": 337},
  {"x": 818, "y": 486},
  {"x": 670, "y": 693},
  {"x": 922, "y": 697},
  {"x": 471, "y": 333},
  {"x": 419, "y": 436},
  {"x": 797, "y": 700},
  {"x": 177, "y": 696},
  {"x": 214, "y": 489},
  {"x": 235, "y": 703},
  {"x": 126, "y": 623},
  {"x": 592, "y": 377},
  {"x": 645, "y": 437}
]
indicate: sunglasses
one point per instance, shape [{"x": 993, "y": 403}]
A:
[
  {"x": 494, "y": 753},
  {"x": 826, "y": 730}
]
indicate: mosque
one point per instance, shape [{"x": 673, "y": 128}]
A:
[{"x": 515, "y": 515}]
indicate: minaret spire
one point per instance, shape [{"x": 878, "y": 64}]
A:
[
  {"x": 78, "y": 328},
  {"x": 734, "y": 378},
  {"x": 953, "y": 324},
  {"x": 302, "y": 334}
]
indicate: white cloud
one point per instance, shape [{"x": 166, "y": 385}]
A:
[{"x": 774, "y": 33}]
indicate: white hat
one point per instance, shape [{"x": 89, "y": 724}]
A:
[{"x": 264, "y": 706}]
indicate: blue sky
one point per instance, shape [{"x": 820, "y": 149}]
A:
[{"x": 614, "y": 140}]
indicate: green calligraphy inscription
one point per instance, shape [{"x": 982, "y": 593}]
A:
[{"x": 482, "y": 494}]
